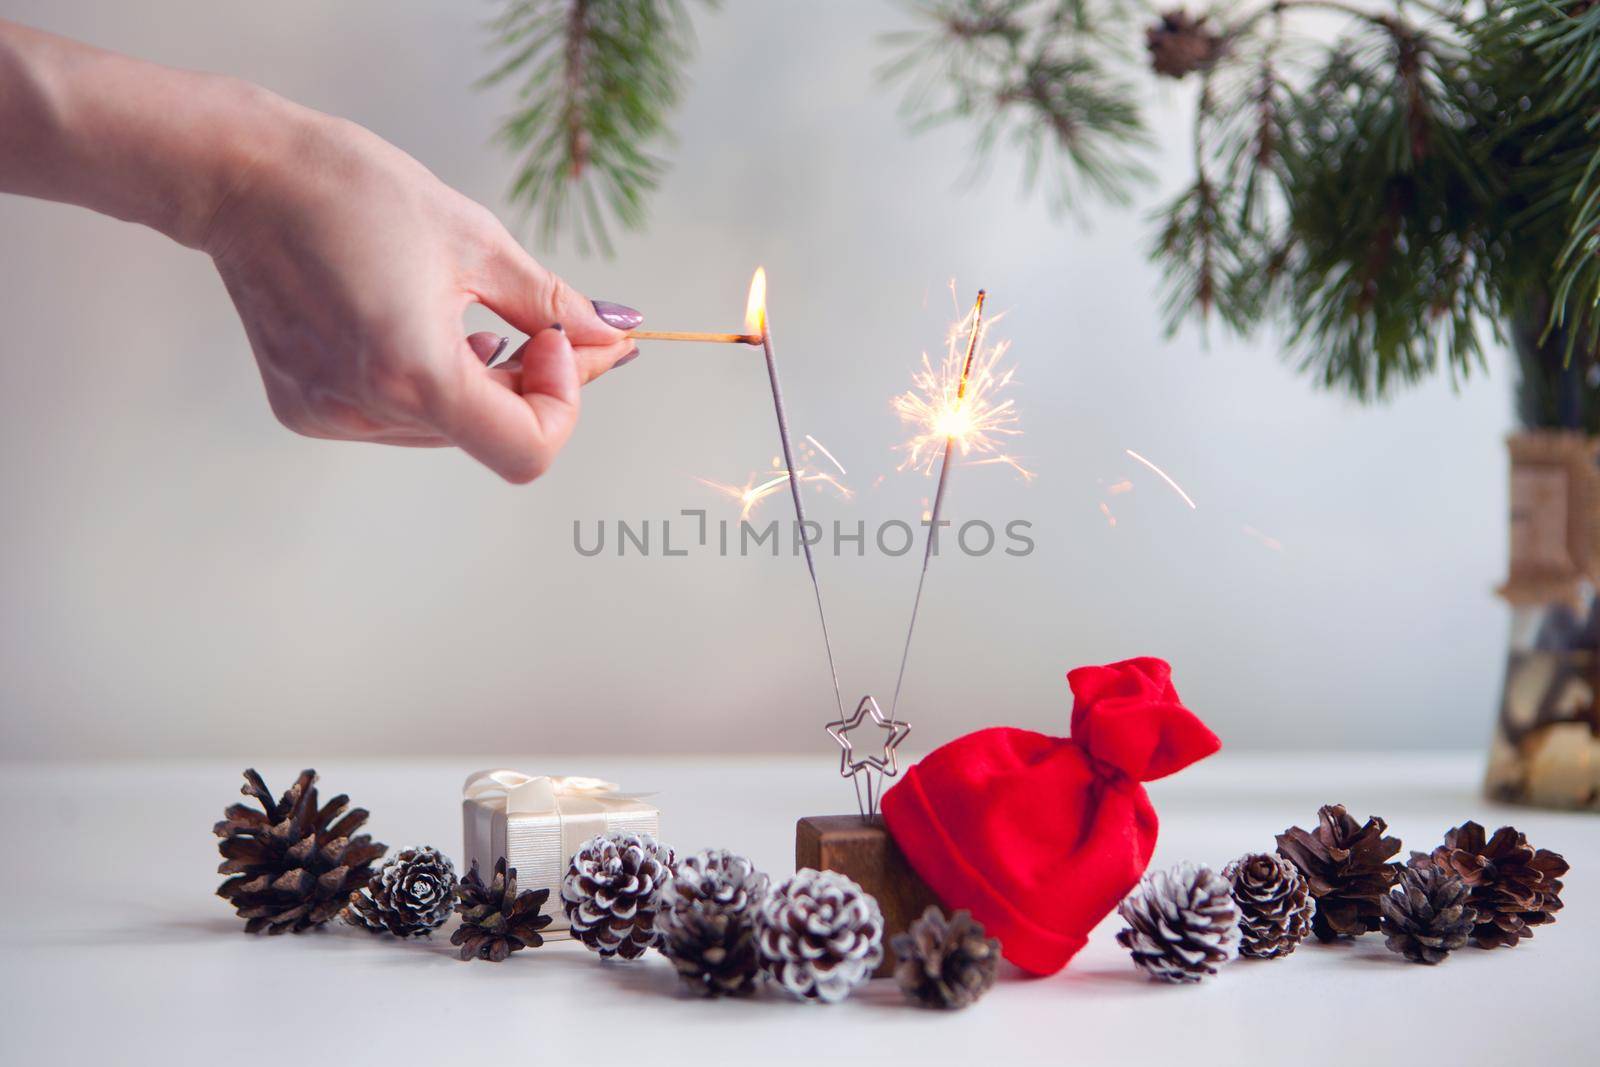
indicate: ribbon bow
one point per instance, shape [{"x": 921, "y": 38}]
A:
[{"x": 538, "y": 794}]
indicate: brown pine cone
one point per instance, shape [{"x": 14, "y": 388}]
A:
[
  {"x": 411, "y": 895},
  {"x": 609, "y": 892},
  {"x": 1274, "y": 909},
  {"x": 1346, "y": 867},
  {"x": 945, "y": 963},
  {"x": 496, "y": 920},
  {"x": 1514, "y": 887},
  {"x": 292, "y": 865},
  {"x": 1180, "y": 44},
  {"x": 1427, "y": 916}
]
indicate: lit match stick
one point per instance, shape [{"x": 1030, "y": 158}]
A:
[{"x": 693, "y": 335}]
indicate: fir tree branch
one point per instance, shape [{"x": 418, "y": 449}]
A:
[{"x": 595, "y": 81}]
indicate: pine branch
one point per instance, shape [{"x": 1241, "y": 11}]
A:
[
  {"x": 595, "y": 82},
  {"x": 1043, "y": 75}
]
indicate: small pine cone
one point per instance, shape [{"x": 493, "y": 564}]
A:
[
  {"x": 1274, "y": 909},
  {"x": 706, "y": 915},
  {"x": 945, "y": 963},
  {"x": 496, "y": 920},
  {"x": 1514, "y": 887},
  {"x": 1180, "y": 44},
  {"x": 820, "y": 935},
  {"x": 292, "y": 865},
  {"x": 411, "y": 895},
  {"x": 1346, "y": 866},
  {"x": 609, "y": 892},
  {"x": 1427, "y": 916},
  {"x": 1181, "y": 923}
]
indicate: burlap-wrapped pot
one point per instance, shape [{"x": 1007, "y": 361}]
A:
[{"x": 1546, "y": 748}]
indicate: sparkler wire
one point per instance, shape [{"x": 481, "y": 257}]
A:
[
  {"x": 799, "y": 507},
  {"x": 938, "y": 503}
]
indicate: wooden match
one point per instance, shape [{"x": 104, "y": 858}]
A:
[{"x": 691, "y": 335}]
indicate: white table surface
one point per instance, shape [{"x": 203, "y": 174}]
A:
[{"x": 116, "y": 951}]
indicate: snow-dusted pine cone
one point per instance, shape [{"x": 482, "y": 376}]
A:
[
  {"x": 411, "y": 895},
  {"x": 706, "y": 916},
  {"x": 1181, "y": 923},
  {"x": 821, "y": 935},
  {"x": 1427, "y": 916},
  {"x": 610, "y": 889},
  {"x": 1274, "y": 910}
]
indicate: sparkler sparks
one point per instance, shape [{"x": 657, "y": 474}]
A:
[
  {"x": 1164, "y": 476},
  {"x": 959, "y": 401},
  {"x": 759, "y": 487}
]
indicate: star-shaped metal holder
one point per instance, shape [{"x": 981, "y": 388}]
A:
[{"x": 856, "y": 767}]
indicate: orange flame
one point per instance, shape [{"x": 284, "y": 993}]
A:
[{"x": 755, "y": 307}]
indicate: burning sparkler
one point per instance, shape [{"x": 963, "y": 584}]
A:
[
  {"x": 957, "y": 406},
  {"x": 958, "y": 403}
]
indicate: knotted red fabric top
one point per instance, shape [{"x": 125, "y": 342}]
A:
[{"x": 1039, "y": 836}]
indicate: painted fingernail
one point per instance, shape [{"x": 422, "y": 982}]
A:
[
  {"x": 498, "y": 356},
  {"x": 558, "y": 328},
  {"x": 629, "y": 358},
  {"x": 620, "y": 316}
]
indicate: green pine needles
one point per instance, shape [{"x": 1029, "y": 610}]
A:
[
  {"x": 595, "y": 82},
  {"x": 1392, "y": 183},
  {"x": 1049, "y": 78}
]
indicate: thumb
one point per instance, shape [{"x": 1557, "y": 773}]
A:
[
  {"x": 520, "y": 290},
  {"x": 517, "y": 436}
]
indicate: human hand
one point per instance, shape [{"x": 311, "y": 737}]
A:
[{"x": 351, "y": 266}]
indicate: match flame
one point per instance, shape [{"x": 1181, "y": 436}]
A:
[
  {"x": 941, "y": 407},
  {"x": 755, "y": 308}
]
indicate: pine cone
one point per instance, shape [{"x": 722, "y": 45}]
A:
[
  {"x": 1346, "y": 868},
  {"x": 1274, "y": 910},
  {"x": 293, "y": 865},
  {"x": 411, "y": 895},
  {"x": 945, "y": 963},
  {"x": 706, "y": 915},
  {"x": 1514, "y": 887},
  {"x": 609, "y": 892},
  {"x": 1427, "y": 916},
  {"x": 1181, "y": 44},
  {"x": 1181, "y": 923},
  {"x": 496, "y": 920},
  {"x": 820, "y": 935}
]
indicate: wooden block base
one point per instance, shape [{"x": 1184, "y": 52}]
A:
[{"x": 862, "y": 850}]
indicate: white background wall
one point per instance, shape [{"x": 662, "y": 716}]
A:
[{"x": 180, "y": 575}]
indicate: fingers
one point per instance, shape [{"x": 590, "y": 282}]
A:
[
  {"x": 515, "y": 432},
  {"x": 593, "y": 361},
  {"x": 486, "y": 345},
  {"x": 520, "y": 290}
]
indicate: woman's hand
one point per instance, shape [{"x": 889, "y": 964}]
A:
[{"x": 350, "y": 264}]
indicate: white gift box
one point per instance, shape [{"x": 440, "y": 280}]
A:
[{"x": 538, "y": 822}]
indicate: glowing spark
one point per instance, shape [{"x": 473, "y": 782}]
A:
[
  {"x": 961, "y": 403},
  {"x": 1105, "y": 509},
  {"x": 759, "y": 487},
  {"x": 1271, "y": 542},
  {"x": 823, "y": 449},
  {"x": 1120, "y": 487},
  {"x": 1164, "y": 476}
]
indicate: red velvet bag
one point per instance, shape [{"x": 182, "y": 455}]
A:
[{"x": 1038, "y": 836}]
